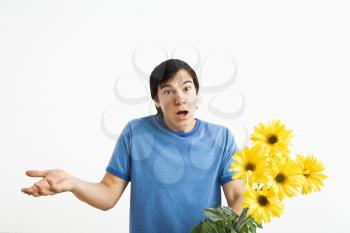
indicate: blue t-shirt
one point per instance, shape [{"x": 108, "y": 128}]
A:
[{"x": 174, "y": 176}]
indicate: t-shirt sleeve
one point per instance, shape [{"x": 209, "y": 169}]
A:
[
  {"x": 119, "y": 164},
  {"x": 230, "y": 148}
]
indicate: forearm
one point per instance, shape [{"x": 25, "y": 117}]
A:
[
  {"x": 95, "y": 194},
  {"x": 237, "y": 204}
]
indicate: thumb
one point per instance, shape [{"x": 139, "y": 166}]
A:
[{"x": 36, "y": 173}]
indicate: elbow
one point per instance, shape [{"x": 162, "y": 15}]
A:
[
  {"x": 236, "y": 203},
  {"x": 106, "y": 207},
  {"x": 230, "y": 202},
  {"x": 238, "y": 208}
]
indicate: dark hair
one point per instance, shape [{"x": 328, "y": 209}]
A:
[{"x": 165, "y": 71}]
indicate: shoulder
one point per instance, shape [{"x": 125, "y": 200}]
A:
[
  {"x": 221, "y": 133},
  {"x": 141, "y": 119},
  {"x": 141, "y": 124},
  {"x": 215, "y": 127}
]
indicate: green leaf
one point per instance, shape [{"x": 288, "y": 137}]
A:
[
  {"x": 244, "y": 229},
  {"x": 197, "y": 229},
  {"x": 209, "y": 227},
  {"x": 251, "y": 227},
  {"x": 255, "y": 223},
  {"x": 223, "y": 219},
  {"x": 259, "y": 225},
  {"x": 214, "y": 214},
  {"x": 228, "y": 211}
]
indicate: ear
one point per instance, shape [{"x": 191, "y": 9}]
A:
[
  {"x": 157, "y": 104},
  {"x": 199, "y": 99},
  {"x": 156, "y": 101}
]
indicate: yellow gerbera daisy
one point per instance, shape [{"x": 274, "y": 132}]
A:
[
  {"x": 273, "y": 136},
  {"x": 311, "y": 169},
  {"x": 262, "y": 204},
  {"x": 250, "y": 165},
  {"x": 286, "y": 177}
]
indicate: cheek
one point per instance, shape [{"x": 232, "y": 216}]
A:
[
  {"x": 193, "y": 101},
  {"x": 166, "y": 105}
]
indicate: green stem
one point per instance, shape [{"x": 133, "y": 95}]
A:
[
  {"x": 243, "y": 223},
  {"x": 214, "y": 228},
  {"x": 241, "y": 219}
]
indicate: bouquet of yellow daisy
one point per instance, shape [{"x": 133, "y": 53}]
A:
[{"x": 270, "y": 175}]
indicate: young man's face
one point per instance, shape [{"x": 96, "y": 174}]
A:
[{"x": 178, "y": 100}]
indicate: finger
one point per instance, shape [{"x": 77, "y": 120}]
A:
[
  {"x": 40, "y": 187},
  {"x": 36, "y": 173},
  {"x": 27, "y": 191},
  {"x": 44, "y": 188},
  {"x": 34, "y": 191}
]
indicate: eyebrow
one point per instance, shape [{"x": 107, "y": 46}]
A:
[{"x": 167, "y": 85}]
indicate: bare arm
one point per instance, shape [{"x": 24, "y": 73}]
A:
[
  {"x": 103, "y": 195},
  {"x": 233, "y": 191}
]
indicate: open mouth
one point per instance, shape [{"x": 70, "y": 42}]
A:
[{"x": 182, "y": 113}]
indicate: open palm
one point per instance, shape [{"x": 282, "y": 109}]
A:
[{"x": 52, "y": 182}]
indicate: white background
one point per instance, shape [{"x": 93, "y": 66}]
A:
[{"x": 60, "y": 60}]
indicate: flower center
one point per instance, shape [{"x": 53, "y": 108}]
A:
[
  {"x": 273, "y": 139},
  {"x": 250, "y": 167},
  {"x": 280, "y": 178},
  {"x": 262, "y": 200},
  {"x": 306, "y": 172}
]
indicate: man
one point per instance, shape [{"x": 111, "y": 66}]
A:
[{"x": 175, "y": 162}]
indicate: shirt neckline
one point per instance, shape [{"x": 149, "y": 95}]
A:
[{"x": 181, "y": 134}]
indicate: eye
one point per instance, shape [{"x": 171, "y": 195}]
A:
[
  {"x": 187, "y": 88},
  {"x": 166, "y": 92}
]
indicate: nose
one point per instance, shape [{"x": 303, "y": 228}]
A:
[{"x": 180, "y": 99}]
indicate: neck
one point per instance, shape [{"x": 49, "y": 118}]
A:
[{"x": 183, "y": 129}]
